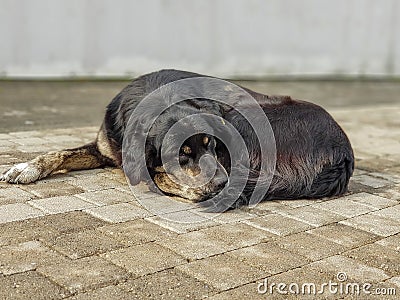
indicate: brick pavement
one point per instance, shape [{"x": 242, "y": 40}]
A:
[{"x": 83, "y": 235}]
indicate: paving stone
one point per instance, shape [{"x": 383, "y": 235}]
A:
[
  {"x": 71, "y": 140},
  {"x": 29, "y": 285},
  {"x": 25, "y": 257},
  {"x": 372, "y": 200},
  {"x": 168, "y": 284},
  {"x": 83, "y": 274},
  {"x": 298, "y": 202},
  {"x": 111, "y": 292},
  {"x": 144, "y": 259},
  {"x": 120, "y": 212},
  {"x": 310, "y": 246},
  {"x": 247, "y": 291},
  {"x": 23, "y": 231},
  {"x": 238, "y": 235},
  {"x": 94, "y": 183},
  {"x": 355, "y": 270},
  {"x": 18, "y": 211},
  {"x": 222, "y": 271},
  {"x": 375, "y": 224},
  {"x": 395, "y": 281},
  {"x": 392, "y": 212},
  {"x": 378, "y": 256},
  {"x": 38, "y": 149},
  {"x": 106, "y": 197},
  {"x": 196, "y": 245},
  {"x": 14, "y": 194},
  {"x": 52, "y": 189},
  {"x": 230, "y": 216},
  {"x": 269, "y": 257},
  {"x": 371, "y": 181},
  {"x": 69, "y": 222},
  {"x": 85, "y": 243},
  {"x": 277, "y": 224},
  {"x": 312, "y": 216},
  {"x": 344, "y": 235},
  {"x": 30, "y": 141},
  {"x": 182, "y": 221},
  {"x": 61, "y": 204},
  {"x": 267, "y": 207},
  {"x": 392, "y": 242},
  {"x": 344, "y": 207},
  {"x": 163, "y": 205},
  {"x": 136, "y": 232},
  {"x": 375, "y": 164}
]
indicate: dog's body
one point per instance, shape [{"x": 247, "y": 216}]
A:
[{"x": 314, "y": 157}]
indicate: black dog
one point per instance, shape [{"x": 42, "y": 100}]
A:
[{"x": 314, "y": 157}]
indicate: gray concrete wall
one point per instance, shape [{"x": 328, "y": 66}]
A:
[{"x": 221, "y": 37}]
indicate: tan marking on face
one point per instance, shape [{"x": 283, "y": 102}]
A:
[
  {"x": 186, "y": 149},
  {"x": 167, "y": 185},
  {"x": 159, "y": 169},
  {"x": 206, "y": 140}
]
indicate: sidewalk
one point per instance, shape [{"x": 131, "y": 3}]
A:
[{"x": 83, "y": 235}]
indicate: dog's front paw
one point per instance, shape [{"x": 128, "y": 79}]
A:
[{"x": 22, "y": 173}]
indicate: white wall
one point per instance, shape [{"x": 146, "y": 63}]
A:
[{"x": 220, "y": 37}]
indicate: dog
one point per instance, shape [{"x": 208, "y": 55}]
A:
[{"x": 314, "y": 157}]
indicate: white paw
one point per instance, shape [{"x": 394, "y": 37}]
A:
[{"x": 22, "y": 173}]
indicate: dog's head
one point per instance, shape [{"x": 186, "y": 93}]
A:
[{"x": 183, "y": 156}]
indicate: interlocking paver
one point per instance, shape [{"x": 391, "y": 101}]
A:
[
  {"x": 377, "y": 256},
  {"x": 69, "y": 222},
  {"x": 83, "y": 274},
  {"x": 23, "y": 231},
  {"x": 106, "y": 197},
  {"x": 182, "y": 221},
  {"x": 392, "y": 212},
  {"x": 310, "y": 246},
  {"x": 9, "y": 195},
  {"x": 120, "y": 212},
  {"x": 81, "y": 244},
  {"x": 269, "y": 257},
  {"x": 238, "y": 235},
  {"x": 345, "y": 235},
  {"x": 136, "y": 232},
  {"x": 222, "y": 271},
  {"x": 168, "y": 284},
  {"x": 30, "y": 285},
  {"x": 344, "y": 207},
  {"x": 312, "y": 216},
  {"x": 17, "y": 212},
  {"x": 356, "y": 271},
  {"x": 46, "y": 190},
  {"x": 61, "y": 204},
  {"x": 372, "y": 200},
  {"x": 111, "y": 292},
  {"x": 278, "y": 224},
  {"x": 25, "y": 257},
  {"x": 144, "y": 259},
  {"x": 195, "y": 245},
  {"x": 392, "y": 242},
  {"x": 375, "y": 224}
]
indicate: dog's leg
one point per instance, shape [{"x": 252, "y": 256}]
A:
[{"x": 85, "y": 157}]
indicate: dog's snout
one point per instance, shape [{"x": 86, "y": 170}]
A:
[{"x": 220, "y": 180}]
